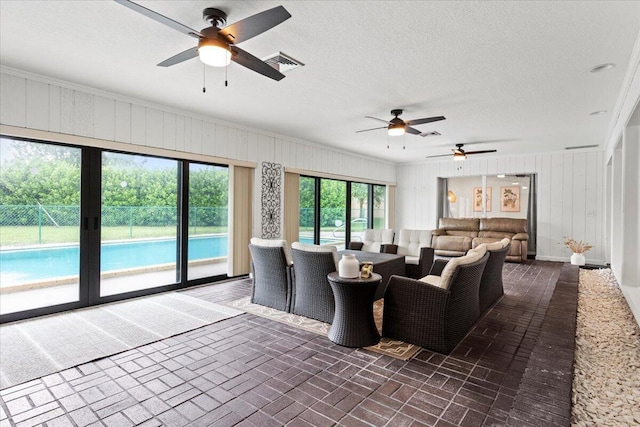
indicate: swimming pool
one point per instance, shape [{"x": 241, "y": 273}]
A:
[{"x": 26, "y": 265}]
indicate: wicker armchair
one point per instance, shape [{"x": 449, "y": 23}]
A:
[
  {"x": 435, "y": 312},
  {"x": 271, "y": 269},
  {"x": 491, "y": 282},
  {"x": 312, "y": 294},
  {"x": 491, "y": 288}
]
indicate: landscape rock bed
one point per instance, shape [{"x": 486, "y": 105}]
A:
[{"x": 606, "y": 382}]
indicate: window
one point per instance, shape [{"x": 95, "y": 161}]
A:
[{"x": 336, "y": 212}]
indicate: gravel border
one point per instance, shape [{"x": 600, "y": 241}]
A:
[{"x": 606, "y": 377}]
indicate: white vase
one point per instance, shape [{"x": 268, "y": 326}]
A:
[
  {"x": 577, "y": 259},
  {"x": 349, "y": 267}
]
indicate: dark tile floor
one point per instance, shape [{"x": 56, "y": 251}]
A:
[{"x": 250, "y": 371}]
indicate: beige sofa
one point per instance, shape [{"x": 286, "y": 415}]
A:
[{"x": 455, "y": 236}]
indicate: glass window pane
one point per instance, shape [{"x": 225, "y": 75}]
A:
[
  {"x": 379, "y": 206},
  {"x": 333, "y": 212},
  {"x": 307, "y": 209},
  {"x": 359, "y": 210},
  {"x": 208, "y": 220},
  {"x": 504, "y": 196},
  {"x": 139, "y": 223},
  {"x": 39, "y": 225}
]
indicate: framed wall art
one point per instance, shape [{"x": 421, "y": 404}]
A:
[
  {"x": 510, "y": 199},
  {"x": 477, "y": 199}
]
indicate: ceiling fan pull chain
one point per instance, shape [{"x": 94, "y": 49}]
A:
[
  {"x": 226, "y": 82},
  {"x": 204, "y": 84}
]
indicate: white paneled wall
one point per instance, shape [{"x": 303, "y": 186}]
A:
[
  {"x": 37, "y": 102},
  {"x": 570, "y": 196}
]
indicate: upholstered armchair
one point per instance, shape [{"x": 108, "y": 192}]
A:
[
  {"x": 373, "y": 240},
  {"x": 437, "y": 311},
  {"x": 415, "y": 245},
  {"x": 271, "y": 267},
  {"x": 312, "y": 294}
]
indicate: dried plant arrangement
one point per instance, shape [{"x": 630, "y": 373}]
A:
[{"x": 577, "y": 247}]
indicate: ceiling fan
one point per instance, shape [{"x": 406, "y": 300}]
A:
[
  {"x": 217, "y": 46},
  {"x": 460, "y": 154},
  {"x": 397, "y": 126}
]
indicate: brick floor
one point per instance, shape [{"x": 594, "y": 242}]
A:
[{"x": 250, "y": 371}]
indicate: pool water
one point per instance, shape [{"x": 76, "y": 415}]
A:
[{"x": 26, "y": 265}]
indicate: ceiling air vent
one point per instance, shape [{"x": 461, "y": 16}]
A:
[
  {"x": 578, "y": 147},
  {"x": 434, "y": 133},
  {"x": 282, "y": 62}
]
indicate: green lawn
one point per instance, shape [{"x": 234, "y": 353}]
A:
[{"x": 31, "y": 235}]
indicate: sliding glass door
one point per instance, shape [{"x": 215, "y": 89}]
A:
[
  {"x": 139, "y": 246},
  {"x": 39, "y": 225},
  {"x": 208, "y": 220},
  {"x": 81, "y": 226}
]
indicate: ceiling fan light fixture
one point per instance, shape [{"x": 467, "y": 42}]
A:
[
  {"x": 396, "y": 129},
  {"x": 214, "y": 52},
  {"x": 458, "y": 156}
]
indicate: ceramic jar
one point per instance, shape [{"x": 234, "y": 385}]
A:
[
  {"x": 577, "y": 259},
  {"x": 349, "y": 267}
]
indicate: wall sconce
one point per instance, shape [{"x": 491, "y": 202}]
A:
[{"x": 451, "y": 196}]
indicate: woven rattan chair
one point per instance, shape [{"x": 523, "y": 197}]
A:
[
  {"x": 271, "y": 269},
  {"x": 312, "y": 294},
  {"x": 435, "y": 312},
  {"x": 491, "y": 288}
]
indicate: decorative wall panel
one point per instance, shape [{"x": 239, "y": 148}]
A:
[{"x": 271, "y": 188}]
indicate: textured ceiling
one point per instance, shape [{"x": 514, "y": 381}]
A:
[{"x": 511, "y": 76}]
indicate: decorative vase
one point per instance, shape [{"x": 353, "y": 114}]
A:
[
  {"x": 577, "y": 259},
  {"x": 349, "y": 267}
]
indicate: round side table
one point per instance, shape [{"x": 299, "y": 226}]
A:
[{"x": 353, "y": 324}]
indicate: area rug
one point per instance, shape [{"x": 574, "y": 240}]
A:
[
  {"x": 34, "y": 348},
  {"x": 394, "y": 348}
]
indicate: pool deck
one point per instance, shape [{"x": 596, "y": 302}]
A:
[{"x": 41, "y": 296}]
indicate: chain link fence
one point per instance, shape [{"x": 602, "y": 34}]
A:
[{"x": 41, "y": 224}]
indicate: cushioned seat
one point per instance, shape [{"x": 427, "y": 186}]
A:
[
  {"x": 312, "y": 293},
  {"x": 372, "y": 240},
  {"x": 415, "y": 245},
  {"x": 271, "y": 270},
  {"x": 455, "y": 236},
  {"x": 437, "y": 311}
]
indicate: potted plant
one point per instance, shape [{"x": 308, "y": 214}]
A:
[{"x": 578, "y": 248}]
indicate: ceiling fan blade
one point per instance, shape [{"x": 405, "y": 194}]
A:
[
  {"x": 256, "y": 24},
  {"x": 367, "y": 130},
  {"x": 375, "y": 118},
  {"x": 440, "y": 155},
  {"x": 245, "y": 59},
  {"x": 182, "y": 56},
  {"x": 411, "y": 130},
  {"x": 160, "y": 18},
  {"x": 425, "y": 120},
  {"x": 480, "y": 152}
]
